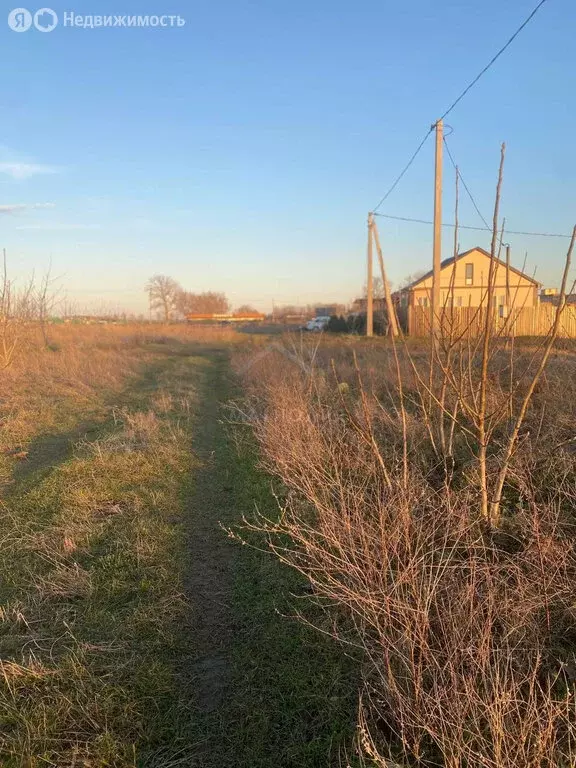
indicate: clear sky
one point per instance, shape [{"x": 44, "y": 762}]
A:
[{"x": 243, "y": 151}]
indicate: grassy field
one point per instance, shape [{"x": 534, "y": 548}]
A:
[
  {"x": 147, "y": 473},
  {"x": 134, "y": 629}
]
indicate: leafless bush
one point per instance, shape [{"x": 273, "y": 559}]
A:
[
  {"x": 23, "y": 308},
  {"x": 431, "y": 493}
]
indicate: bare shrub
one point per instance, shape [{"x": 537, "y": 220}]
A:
[{"x": 464, "y": 625}]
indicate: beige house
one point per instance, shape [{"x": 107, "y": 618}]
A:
[{"x": 463, "y": 283}]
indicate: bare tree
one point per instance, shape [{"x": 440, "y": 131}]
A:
[
  {"x": 207, "y": 303},
  {"x": 46, "y": 299},
  {"x": 377, "y": 288},
  {"x": 163, "y": 292},
  {"x": 69, "y": 308},
  {"x": 184, "y": 302},
  {"x": 246, "y": 309},
  {"x": 409, "y": 279},
  {"x": 16, "y": 310}
]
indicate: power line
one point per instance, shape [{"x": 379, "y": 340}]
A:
[
  {"x": 457, "y": 101},
  {"x": 478, "y": 229},
  {"x": 478, "y": 211},
  {"x": 470, "y": 195},
  {"x": 408, "y": 164},
  {"x": 493, "y": 60}
]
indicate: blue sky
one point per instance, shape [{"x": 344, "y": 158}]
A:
[{"x": 243, "y": 151}]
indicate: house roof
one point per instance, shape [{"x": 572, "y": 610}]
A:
[{"x": 448, "y": 262}]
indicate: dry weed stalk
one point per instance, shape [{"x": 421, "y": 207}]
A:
[{"x": 23, "y": 309}]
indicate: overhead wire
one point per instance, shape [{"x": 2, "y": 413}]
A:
[
  {"x": 456, "y": 102},
  {"x": 493, "y": 59},
  {"x": 402, "y": 173},
  {"x": 466, "y": 187},
  {"x": 478, "y": 229}
]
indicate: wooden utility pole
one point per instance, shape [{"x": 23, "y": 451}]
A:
[
  {"x": 508, "y": 277},
  {"x": 437, "y": 252},
  {"x": 389, "y": 305},
  {"x": 369, "y": 284}
]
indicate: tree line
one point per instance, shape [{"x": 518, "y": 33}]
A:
[{"x": 167, "y": 297}]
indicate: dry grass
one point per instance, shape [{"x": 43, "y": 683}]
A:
[
  {"x": 116, "y": 474},
  {"x": 95, "y": 456},
  {"x": 466, "y": 622}
]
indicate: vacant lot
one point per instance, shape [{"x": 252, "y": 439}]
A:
[
  {"x": 134, "y": 631},
  {"x": 147, "y": 471},
  {"x": 432, "y": 502}
]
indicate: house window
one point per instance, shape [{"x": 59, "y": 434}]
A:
[
  {"x": 501, "y": 301},
  {"x": 423, "y": 301},
  {"x": 459, "y": 301},
  {"x": 469, "y": 274}
]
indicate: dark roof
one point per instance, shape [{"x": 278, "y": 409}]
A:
[{"x": 447, "y": 262}]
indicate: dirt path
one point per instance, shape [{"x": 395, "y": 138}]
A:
[
  {"x": 267, "y": 692},
  {"x": 210, "y": 580}
]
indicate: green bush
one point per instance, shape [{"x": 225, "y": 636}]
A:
[{"x": 337, "y": 324}]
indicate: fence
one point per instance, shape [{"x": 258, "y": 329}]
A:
[{"x": 527, "y": 321}]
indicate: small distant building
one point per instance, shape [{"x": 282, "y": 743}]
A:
[
  {"x": 359, "y": 305},
  {"x": 551, "y": 296},
  {"x": 329, "y": 310},
  {"x": 224, "y": 317}
]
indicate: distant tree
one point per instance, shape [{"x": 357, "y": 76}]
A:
[
  {"x": 207, "y": 303},
  {"x": 163, "y": 292},
  {"x": 246, "y": 309},
  {"x": 288, "y": 309},
  {"x": 412, "y": 278},
  {"x": 377, "y": 288},
  {"x": 184, "y": 302}
]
